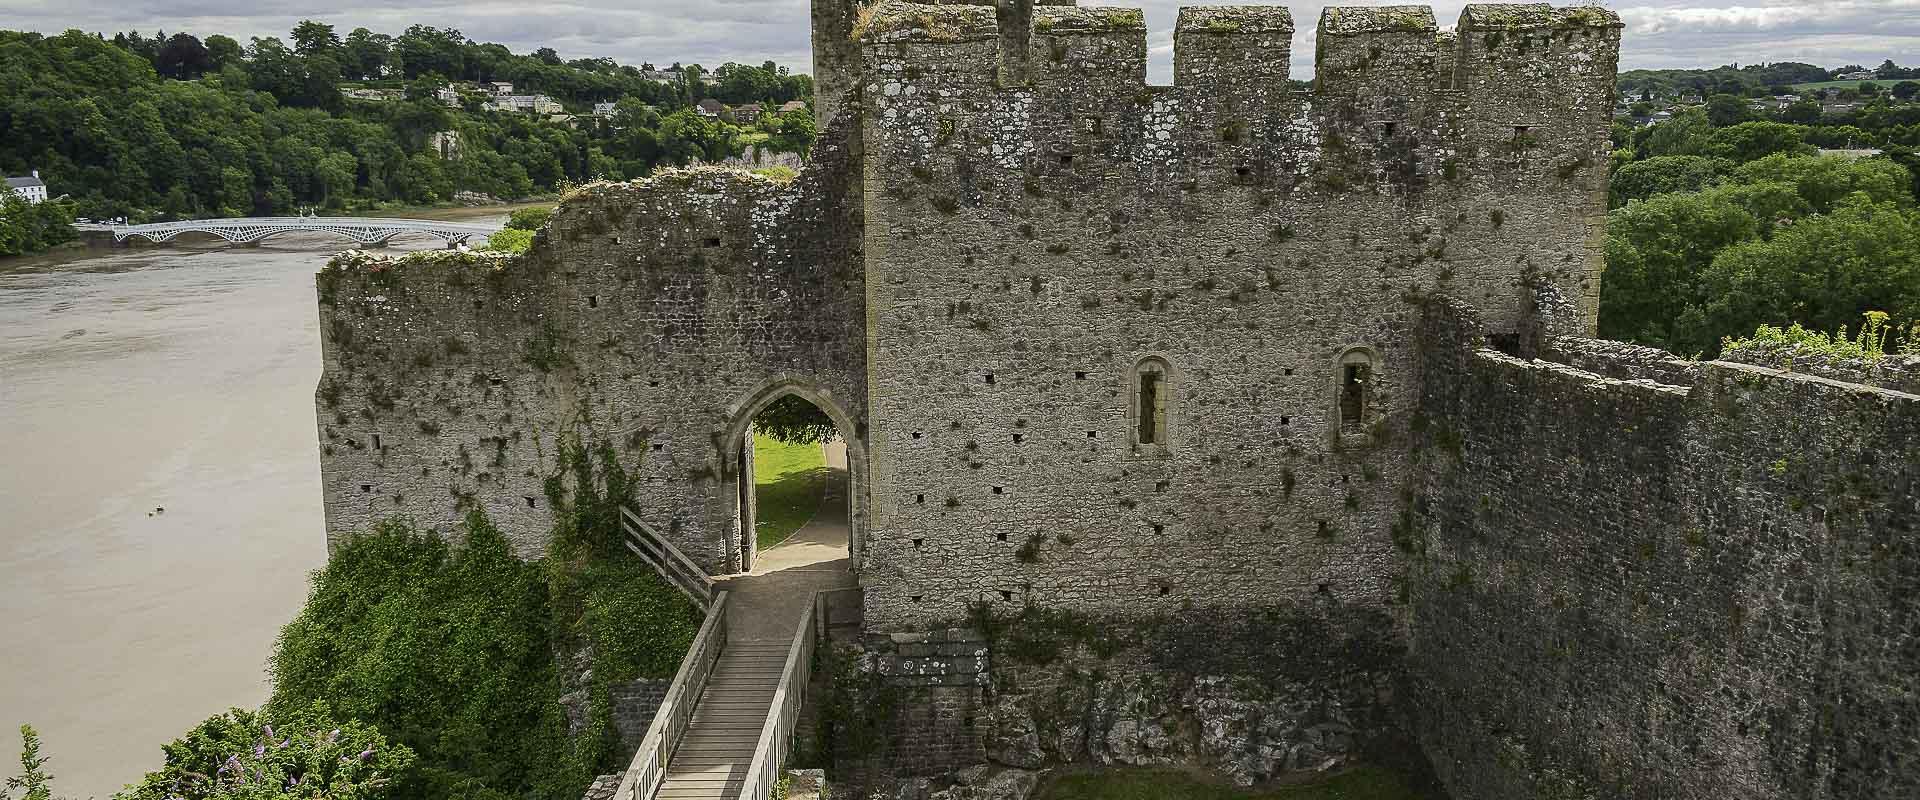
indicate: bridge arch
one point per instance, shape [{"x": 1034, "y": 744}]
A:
[
  {"x": 851, "y": 430},
  {"x": 252, "y": 230}
]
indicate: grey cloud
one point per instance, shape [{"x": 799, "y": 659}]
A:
[{"x": 1660, "y": 33}]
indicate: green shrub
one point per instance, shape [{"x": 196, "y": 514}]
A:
[
  {"x": 301, "y": 752},
  {"x": 447, "y": 652},
  {"x": 511, "y": 240},
  {"x": 639, "y": 625},
  {"x": 529, "y": 219}
]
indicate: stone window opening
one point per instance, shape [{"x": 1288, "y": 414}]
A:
[
  {"x": 1006, "y": 594},
  {"x": 1159, "y": 528},
  {"x": 1287, "y": 371},
  {"x": 479, "y": 304},
  {"x": 920, "y": 499},
  {"x": 1165, "y": 590},
  {"x": 999, "y": 490},
  {"x": 1000, "y": 537},
  {"x": 1149, "y": 410},
  {"x": 1066, "y": 160},
  {"x": 915, "y": 598},
  {"x": 1080, "y": 376},
  {"x": 1356, "y": 396},
  {"x": 530, "y": 502},
  {"x": 713, "y": 241},
  {"x": 593, "y": 301},
  {"x": 376, "y": 442},
  {"x": 1019, "y": 437},
  {"x": 1520, "y": 132},
  {"x": 917, "y": 542},
  {"x": 1387, "y": 129},
  {"x": 1353, "y": 394},
  {"x": 989, "y": 379},
  {"x": 366, "y": 488}
]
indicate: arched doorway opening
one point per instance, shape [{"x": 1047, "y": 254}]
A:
[{"x": 797, "y": 481}]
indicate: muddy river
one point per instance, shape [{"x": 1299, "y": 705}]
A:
[{"x": 159, "y": 492}]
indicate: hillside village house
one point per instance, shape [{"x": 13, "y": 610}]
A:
[
  {"x": 29, "y": 188},
  {"x": 744, "y": 114},
  {"x": 447, "y": 96},
  {"x": 526, "y": 104},
  {"x": 710, "y": 108},
  {"x": 604, "y": 110},
  {"x": 792, "y": 105},
  {"x": 500, "y": 89}
]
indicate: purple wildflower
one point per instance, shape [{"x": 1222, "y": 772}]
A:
[
  {"x": 366, "y": 754},
  {"x": 259, "y": 750}
]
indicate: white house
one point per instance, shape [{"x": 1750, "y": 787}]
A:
[
  {"x": 526, "y": 104},
  {"x": 605, "y": 110},
  {"x": 30, "y": 188},
  {"x": 447, "y": 96},
  {"x": 500, "y": 89}
]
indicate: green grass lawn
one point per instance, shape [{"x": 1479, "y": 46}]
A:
[
  {"x": 1801, "y": 87},
  {"x": 1362, "y": 783},
  {"x": 788, "y": 481}
]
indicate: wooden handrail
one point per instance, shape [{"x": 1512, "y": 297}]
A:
[
  {"x": 649, "y": 766},
  {"x": 666, "y": 559},
  {"x": 776, "y": 736}
]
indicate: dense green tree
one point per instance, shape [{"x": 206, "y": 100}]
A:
[
  {"x": 1727, "y": 109},
  {"x": 183, "y": 57},
  {"x": 366, "y": 54},
  {"x": 222, "y": 51},
  {"x": 1685, "y": 134},
  {"x": 32, "y": 227},
  {"x": 1747, "y": 141},
  {"x": 1822, "y": 271},
  {"x": 1640, "y": 180}
]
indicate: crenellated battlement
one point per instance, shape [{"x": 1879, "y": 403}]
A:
[{"x": 1356, "y": 47}]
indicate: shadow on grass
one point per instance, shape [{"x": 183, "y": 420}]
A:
[{"x": 786, "y": 503}]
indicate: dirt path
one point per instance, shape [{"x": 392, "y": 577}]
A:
[{"x": 767, "y": 602}]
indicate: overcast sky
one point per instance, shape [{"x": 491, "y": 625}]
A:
[{"x": 1660, "y": 33}]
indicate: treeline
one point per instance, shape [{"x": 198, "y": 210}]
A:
[
  {"x": 1718, "y": 229},
  {"x": 32, "y": 227},
  {"x": 1751, "y": 80},
  {"x": 176, "y": 127}
]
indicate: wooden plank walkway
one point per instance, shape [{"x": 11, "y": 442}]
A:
[{"x": 713, "y": 756}]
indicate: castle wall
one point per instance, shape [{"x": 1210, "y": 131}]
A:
[
  {"x": 656, "y": 315},
  {"x": 1030, "y": 241},
  {"x": 1627, "y": 588}
]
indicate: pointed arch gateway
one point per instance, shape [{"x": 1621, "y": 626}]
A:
[{"x": 739, "y": 470}]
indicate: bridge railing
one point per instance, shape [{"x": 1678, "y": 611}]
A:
[
  {"x": 789, "y": 696},
  {"x": 649, "y": 766},
  {"x": 666, "y": 559}
]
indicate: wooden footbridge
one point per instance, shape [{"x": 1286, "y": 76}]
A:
[{"x": 725, "y": 727}]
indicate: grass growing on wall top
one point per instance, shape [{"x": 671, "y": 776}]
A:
[
  {"x": 1361, "y": 783},
  {"x": 789, "y": 479}
]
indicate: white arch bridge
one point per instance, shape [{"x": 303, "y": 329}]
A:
[{"x": 251, "y": 230}]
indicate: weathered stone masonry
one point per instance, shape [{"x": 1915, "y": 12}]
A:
[{"x": 1267, "y": 397}]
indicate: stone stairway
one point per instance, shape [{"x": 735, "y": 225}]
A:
[{"x": 713, "y": 756}]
